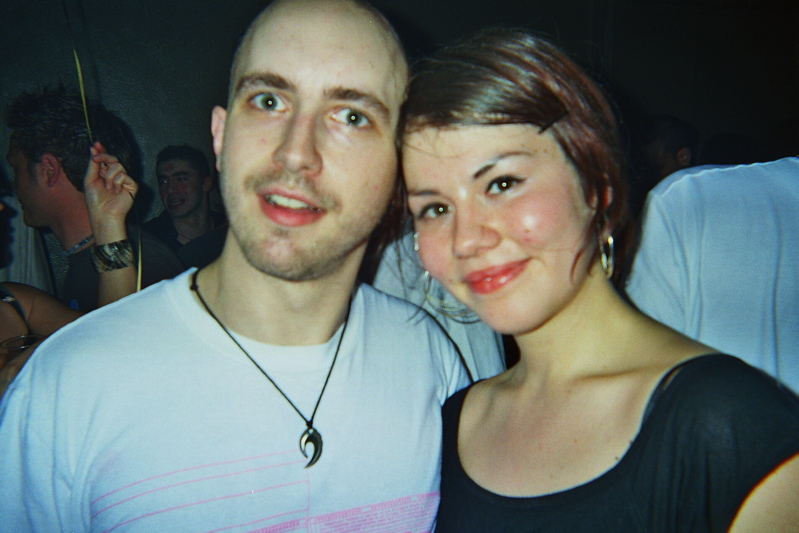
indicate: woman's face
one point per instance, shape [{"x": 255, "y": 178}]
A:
[{"x": 502, "y": 220}]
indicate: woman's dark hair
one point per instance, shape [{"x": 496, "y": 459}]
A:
[{"x": 510, "y": 76}]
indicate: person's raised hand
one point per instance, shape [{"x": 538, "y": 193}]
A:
[{"x": 110, "y": 193}]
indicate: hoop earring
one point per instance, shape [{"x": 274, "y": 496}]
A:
[
  {"x": 415, "y": 241},
  {"x": 606, "y": 255},
  {"x": 456, "y": 311}
]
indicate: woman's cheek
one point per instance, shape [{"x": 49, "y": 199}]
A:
[
  {"x": 433, "y": 254},
  {"x": 540, "y": 221}
]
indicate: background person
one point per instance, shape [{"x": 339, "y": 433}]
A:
[
  {"x": 28, "y": 311},
  {"x": 188, "y": 225},
  {"x": 718, "y": 261},
  {"x": 666, "y": 144},
  {"x": 610, "y": 421},
  {"x": 47, "y": 153}
]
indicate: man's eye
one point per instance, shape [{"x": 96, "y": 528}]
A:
[
  {"x": 433, "y": 211},
  {"x": 351, "y": 117},
  {"x": 502, "y": 184},
  {"x": 268, "y": 101}
]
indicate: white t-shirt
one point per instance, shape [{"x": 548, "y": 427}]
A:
[
  {"x": 719, "y": 261},
  {"x": 401, "y": 274},
  {"x": 145, "y": 416}
]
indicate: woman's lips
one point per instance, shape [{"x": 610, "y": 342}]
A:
[
  {"x": 289, "y": 210},
  {"x": 492, "y": 279}
]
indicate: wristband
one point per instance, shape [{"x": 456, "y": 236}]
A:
[{"x": 112, "y": 256}]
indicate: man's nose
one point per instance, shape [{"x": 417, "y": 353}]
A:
[{"x": 298, "y": 150}]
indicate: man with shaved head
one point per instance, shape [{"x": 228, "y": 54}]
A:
[{"x": 268, "y": 390}]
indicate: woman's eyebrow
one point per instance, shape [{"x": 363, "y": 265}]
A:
[
  {"x": 422, "y": 192},
  {"x": 495, "y": 160}
]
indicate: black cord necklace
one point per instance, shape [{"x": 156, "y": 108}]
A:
[{"x": 311, "y": 434}]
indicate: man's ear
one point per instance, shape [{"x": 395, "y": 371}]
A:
[
  {"x": 50, "y": 169},
  {"x": 208, "y": 183},
  {"x": 218, "y": 117}
]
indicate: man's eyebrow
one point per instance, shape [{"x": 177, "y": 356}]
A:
[
  {"x": 365, "y": 99},
  {"x": 263, "y": 79}
]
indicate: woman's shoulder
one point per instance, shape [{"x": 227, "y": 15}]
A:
[
  {"x": 725, "y": 377},
  {"x": 719, "y": 395}
]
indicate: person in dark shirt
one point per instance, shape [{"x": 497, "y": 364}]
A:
[
  {"x": 188, "y": 224},
  {"x": 49, "y": 153},
  {"x": 28, "y": 314},
  {"x": 610, "y": 421}
]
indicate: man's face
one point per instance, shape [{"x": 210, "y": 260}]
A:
[
  {"x": 27, "y": 188},
  {"x": 306, "y": 149},
  {"x": 182, "y": 189}
]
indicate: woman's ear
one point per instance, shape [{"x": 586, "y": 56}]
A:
[{"x": 608, "y": 197}]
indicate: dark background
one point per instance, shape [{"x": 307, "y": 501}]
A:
[{"x": 727, "y": 66}]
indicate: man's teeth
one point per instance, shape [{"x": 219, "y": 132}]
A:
[{"x": 290, "y": 203}]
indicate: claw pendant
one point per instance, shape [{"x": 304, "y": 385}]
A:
[{"x": 315, "y": 438}]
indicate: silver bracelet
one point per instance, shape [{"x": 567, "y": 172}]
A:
[{"x": 112, "y": 256}]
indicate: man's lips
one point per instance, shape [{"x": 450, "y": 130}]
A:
[
  {"x": 494, "y": 278},
  {"x": 289, "y": 210}
]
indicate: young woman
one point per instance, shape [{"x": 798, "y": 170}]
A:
[{"x": 610, "y": 421}]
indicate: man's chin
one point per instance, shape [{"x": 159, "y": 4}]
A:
[{"x": 31, "y": 223}]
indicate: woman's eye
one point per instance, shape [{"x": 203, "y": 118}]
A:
[
  {"x": 502, "y": 184},
  {"x": 433, "y": 211},
  {"x": 268, "y": 101},
  {"x": 351, "y": 117}
]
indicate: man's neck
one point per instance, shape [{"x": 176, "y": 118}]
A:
[
  {"x": 72, "y": 226},
  {"x": 272, "y": 310}
]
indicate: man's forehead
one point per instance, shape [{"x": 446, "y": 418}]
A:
[
  {"x": 334, "y": 45},
  {"x": 173, "y": 166}
]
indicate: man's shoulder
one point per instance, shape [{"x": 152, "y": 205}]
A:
[
  {"x": 390, "y": 317},
  {"x": 161, "y": 228},
  {"x": 158, "y": 223},
  {"x": 157, "y": 254},
  {"x": 152, "y": 305},
  {"x": 123, "y": 327},
  {"x": 724, "y": 176},
  {"x": 377, "y": 300},
  {"x": 406, "y": 332}
]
